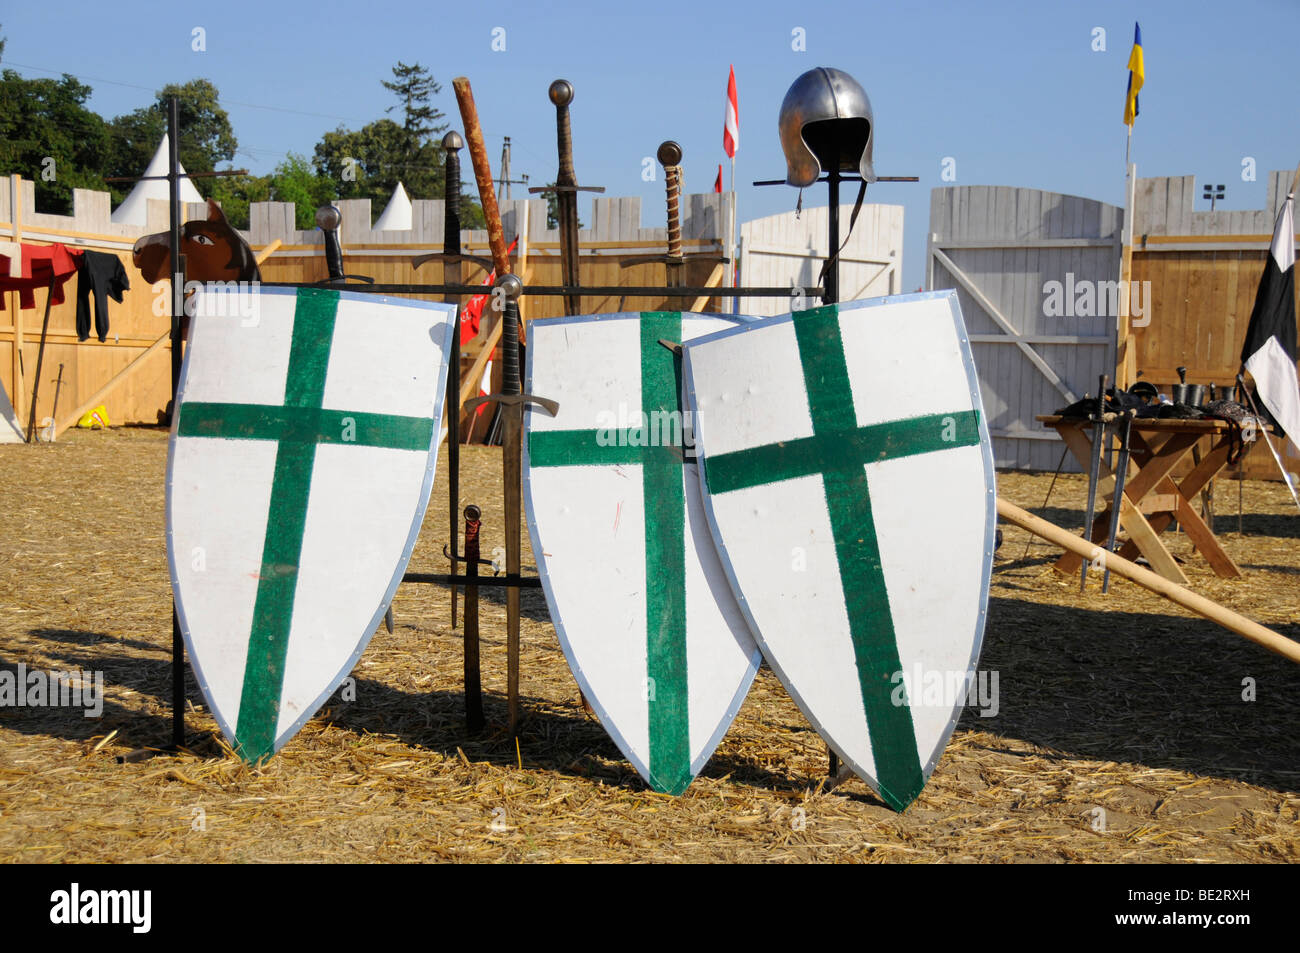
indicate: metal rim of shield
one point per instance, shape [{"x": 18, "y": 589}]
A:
[
  {"x": 211, "y": 638},
  {"x": 613, "y": 675},
  {"x": 911, "y": 775}
]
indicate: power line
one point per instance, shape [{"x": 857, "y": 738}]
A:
[{"x": 150, "y": 89}]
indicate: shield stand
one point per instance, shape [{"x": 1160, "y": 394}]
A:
[
  {"x": 512, "y": 402},
  {"x": 830, "y": 291}
]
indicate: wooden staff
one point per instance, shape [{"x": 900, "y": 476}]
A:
[
  {"x": 483, "y": 174},
  {"x": 40, "y": 359},
  {"x": 1260, "y": 635},
  {"x": 510, "y": 403}
]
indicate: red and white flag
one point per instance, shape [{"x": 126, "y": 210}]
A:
[
  {"x": 731, "y": 133},
  {"x": 717, "y": 183}
]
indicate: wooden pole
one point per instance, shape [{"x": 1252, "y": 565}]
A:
[
  {"x": 483, "y": 174},
  {"x": 267, "y": 252},
  {"x": 1125, "y": 351},
  {"x": 1260, "y": 635},
  {"x": 511, "y": 410},
  {"x": 40, "y": 359},
  {"x": 715, "y": 279},
  {"x": 16, "y": 213},
  {"x": 93, "y": 401}
]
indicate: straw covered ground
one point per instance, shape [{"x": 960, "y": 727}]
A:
[{"x": 1126, "y": 729}]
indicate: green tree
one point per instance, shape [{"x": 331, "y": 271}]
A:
[
  {"x": 49, "y": 136},
  {"x": 360, "y": 162},
  {"x": 236, "y": 192},
  {"x": 369, "y": 162},
  {"x": 414, "y": 86},
  {"x": 296, "y": 181},
  {"x": 206, "y": 135}
]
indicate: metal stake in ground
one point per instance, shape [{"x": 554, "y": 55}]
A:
[
  {"x": 1121, "y": 473},
  {"x": 451, "y": 274},
  {"x": 54, "y": 411},
  {"x": 473, "y": 686},
  {"x": 1094, "y": 467},
  {"x": 511, "y": 403},
  {"x": 505, "y": 297},
  {"x": 566, "y": 191}
]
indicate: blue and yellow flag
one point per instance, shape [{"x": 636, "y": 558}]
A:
[{"x": 1136, "y": 74}]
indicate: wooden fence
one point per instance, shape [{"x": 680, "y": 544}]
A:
[
  {"x": 1196, "y": 272},
  {"x": 135, "y": 361},
  {"x": 1001, "y": 248},
  {"x": 1204, "y": 270}
]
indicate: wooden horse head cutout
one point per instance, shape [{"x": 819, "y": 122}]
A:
[{"x": 213, "y": 251}]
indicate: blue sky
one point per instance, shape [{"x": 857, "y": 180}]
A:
[{"x": 1013, "y": 91}]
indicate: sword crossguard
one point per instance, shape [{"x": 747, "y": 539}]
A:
[
  {"x": 548, "y": 405},
  {"x": 462, "y": 559},
  {"x": 485, "y": 263}
]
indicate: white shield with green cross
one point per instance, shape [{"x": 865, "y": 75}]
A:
[
  {"x": 848, "y": 481},
  {"x": 638, "y": 598},
  {"x": 302, "y": 456}
]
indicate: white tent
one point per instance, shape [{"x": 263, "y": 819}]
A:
[
  {"x": 135, "y": 207},
  {"x": 397, "y": 214},
  {"x": 10, "y": 430}
]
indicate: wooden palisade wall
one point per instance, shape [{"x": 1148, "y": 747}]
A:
[{"x": 615, "y": 233}]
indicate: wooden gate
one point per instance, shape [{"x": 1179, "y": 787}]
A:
[
  {"x": 787, "y": 250},
  {"x": 1036, "y": 273}
]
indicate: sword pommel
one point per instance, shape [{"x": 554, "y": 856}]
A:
[
  {"x": 670, "y": 153},
  {"x": 328, "y": 219},
  {"x": 453, "y": 142},
  {"x": 510, "y": 286},
  {"x": 561, "y": 92}
]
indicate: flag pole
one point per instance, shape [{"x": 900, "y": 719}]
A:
[
  {"x": 731, "y": 237},
  {"x": 1125, "y": 353},
  {"x": 1245, "y": 392}
]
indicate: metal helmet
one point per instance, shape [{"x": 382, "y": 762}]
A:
[{"x": 826, "y": 123}]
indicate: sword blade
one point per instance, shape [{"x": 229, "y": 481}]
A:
[
  {"x": 1094, "y": 464},
  {"x": 1121, "y": 474}
]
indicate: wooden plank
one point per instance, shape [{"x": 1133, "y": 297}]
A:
[
  {"x": 95, "y": 399},
  {"x": 1139, "y": 530},
  {"x": 715, "y": 280},
  {"x": 1147, "y": 540},
  {"x": 19, "y": 389},
  {"x": 1257, "y": 633},
  {"x": 998, "y": 317},
  {"x": 1159, "y": 503},
  {"x": 1232, "y": 239},
  {"x": 1202, "y": 537},
  {"x": 1191, "y": 485}
]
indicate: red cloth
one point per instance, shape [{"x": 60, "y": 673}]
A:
[
  {"x": 472, "y": 314},
  {"x": 40, "y": 264}
]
